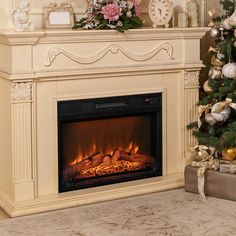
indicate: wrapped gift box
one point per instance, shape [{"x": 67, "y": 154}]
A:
[{"x": 217, "y": 184}]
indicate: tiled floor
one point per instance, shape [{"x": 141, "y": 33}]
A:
[{"x": 3, "y": 215}]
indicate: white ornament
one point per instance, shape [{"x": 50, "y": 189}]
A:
[
  {"x": 160, "y": 12},
  {"x": 229, "y": 70},
  {"x": 222, "y": 115},
  {"x": 232, "y": 19},
  {"x": 220, "y": 56},
  {"x": 214, "y": 32},
  {"x": 226, "y": 24},
  {"x": 20, "y": 17},
  {"x": 193, "y": 13},
  {"x": 209, "y": 119}
]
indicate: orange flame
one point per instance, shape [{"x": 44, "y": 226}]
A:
[{"x": 130, "y": 148}]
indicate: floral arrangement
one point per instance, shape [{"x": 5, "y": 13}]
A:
[{"x": 111, "y": 14}]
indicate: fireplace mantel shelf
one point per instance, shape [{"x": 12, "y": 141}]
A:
[
  {"x": 38, "y": 69},
  {"x": 67, "y": 36},
  {"x": 97, "y": 52}
]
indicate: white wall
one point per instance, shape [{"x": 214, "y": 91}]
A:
[
  {"x": 5, "y": 8},
  {"x": 36, "y": 13}
]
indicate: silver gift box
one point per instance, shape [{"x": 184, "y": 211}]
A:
[{"x": 217, "y": 184}]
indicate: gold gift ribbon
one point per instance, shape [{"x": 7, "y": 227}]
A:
[
  {"x": 228, "y": 102},
  {"x": 207, "y": 163},
  {"x": 216, "y": 62},
  {"x": 211, "y": 49},
  {"x": 201, "y": 110}
]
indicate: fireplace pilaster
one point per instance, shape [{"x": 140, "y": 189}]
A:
[{"x": 22, "y": 146}]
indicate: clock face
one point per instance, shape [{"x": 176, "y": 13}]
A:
[{"x": 160, "y": 12}]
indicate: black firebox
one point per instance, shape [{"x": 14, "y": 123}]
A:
[{"x": 109, "y": 140}]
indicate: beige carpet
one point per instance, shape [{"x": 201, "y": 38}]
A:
[{"x": 174, "y": 213}]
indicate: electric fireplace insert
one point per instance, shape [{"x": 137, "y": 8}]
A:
[{"x": 109, "y": 140}]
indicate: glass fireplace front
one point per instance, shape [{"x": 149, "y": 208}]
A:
[{"x": 109, "y": 140}]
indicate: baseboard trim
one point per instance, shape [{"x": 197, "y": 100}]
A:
[
  {"x": 6, "y": 204},
  {"x": 93, "y": 195}
]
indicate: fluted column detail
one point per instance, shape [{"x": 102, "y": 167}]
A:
[
  {"x": 21, "y": 94},
  {"x": 191, "y": 97}
]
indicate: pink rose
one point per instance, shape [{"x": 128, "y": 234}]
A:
[
  {"x": 137, "y": 7},
  {"x": 112, "y": 12}
]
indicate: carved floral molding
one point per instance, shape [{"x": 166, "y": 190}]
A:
[
  {"x": 54, "y": 52},
  {"x": 191, "y": 79},
  {"x": 21, "y": 91}
]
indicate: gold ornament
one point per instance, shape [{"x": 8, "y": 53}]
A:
[
  {"x": 202, "y": 152},
  {"x": 216, "y": 62},
  {"x": 206, "y": 87},
  {"x": 229, "y": 154},
  {"x": 215, "y": 72}
]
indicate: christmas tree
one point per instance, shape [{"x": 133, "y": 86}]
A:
[{"x": 216, "y": 126}]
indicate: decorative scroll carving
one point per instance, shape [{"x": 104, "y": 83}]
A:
[
  {"x": 114, "y": 49},
  {"x": 191, "y": 79},
  {"x": 21, "y": 91}
]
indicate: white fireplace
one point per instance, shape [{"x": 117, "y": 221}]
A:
[{"x": 39, "y": 69}]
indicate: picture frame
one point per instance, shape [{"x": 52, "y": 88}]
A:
[{"x": 59, "y": 17}]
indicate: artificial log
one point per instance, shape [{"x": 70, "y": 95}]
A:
[
  {"x": 72, "y": 171},
  {"x": 107, "y": 160},
  {"x": 131, "y": 157},
  {"x": 115, "y": 156},
  {"x": 98, "y": 165}
]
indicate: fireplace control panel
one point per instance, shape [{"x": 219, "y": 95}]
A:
[
  {"x": 150, "y": 101},
  {"x": 109, "y": 106}
]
